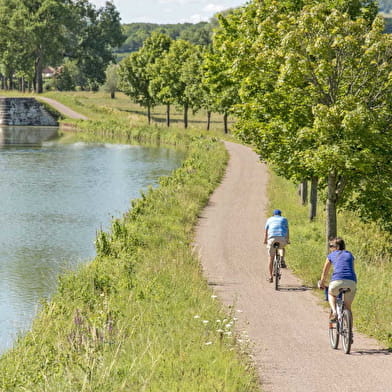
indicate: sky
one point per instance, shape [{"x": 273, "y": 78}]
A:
[{"x": 169, "y": 11}]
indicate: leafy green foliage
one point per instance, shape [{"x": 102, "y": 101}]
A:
[
  {"x": 316, "y": 93},
  {"x": 135, "y": 71},
  {"x": 36, "y": 34}
]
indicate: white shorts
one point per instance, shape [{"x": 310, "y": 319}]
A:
[
  {"x": 336, "y": 285},
  {"x": 282, "y": 241}
]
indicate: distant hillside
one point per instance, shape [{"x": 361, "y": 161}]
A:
[
  {"x": 199, "y": 33},
  {"x": 136, "y": 33}
]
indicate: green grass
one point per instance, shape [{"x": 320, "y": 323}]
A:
[
  {"x": 140, "y": 316},
  {"x": 371, "y": 247},
  {"x": 98, "y": 106}
]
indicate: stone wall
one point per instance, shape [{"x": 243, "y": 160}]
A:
[{"x": 24, "y": 111}]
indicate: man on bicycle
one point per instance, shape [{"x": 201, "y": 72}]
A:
[
  {"x": 343, "y": 276},
  {"x": 276, "y": 230}
]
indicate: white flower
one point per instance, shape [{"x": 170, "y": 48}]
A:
[
  {"x": 196, "y": 317},
  {"x": 208, "y": 343},
  {"x": 214, "y": 296},
  {"x": 205, "y": 321}
]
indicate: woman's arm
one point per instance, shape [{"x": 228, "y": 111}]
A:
[{"x": 326, "y": 268}]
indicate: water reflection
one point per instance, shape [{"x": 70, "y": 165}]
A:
[
  {"x": 26, "y": 135},
  {"x": 53, "y": 198}
]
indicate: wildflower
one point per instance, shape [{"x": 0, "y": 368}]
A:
[
  {"x": 196, "y": 317},
  {"x": 208, "y": 343},
  {"x": 205, "y": 321},
  {"x": 214, "y": 296}
]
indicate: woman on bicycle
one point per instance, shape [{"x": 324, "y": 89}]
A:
[{"x": 343, "y": 275}]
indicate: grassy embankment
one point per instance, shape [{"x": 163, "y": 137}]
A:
[
  {"x": 372, "y": 248},
  {"x": 139, "y": 317}
]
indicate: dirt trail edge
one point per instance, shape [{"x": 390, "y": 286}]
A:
[
  {"x": 287, "y": 328},
  {"x": 66, "y": 111}
]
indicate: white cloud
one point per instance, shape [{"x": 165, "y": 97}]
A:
[
  {"x": 181, "y": 2},
  {"x": 213, "y": 8},
  {"x": 196, "y": 18}
]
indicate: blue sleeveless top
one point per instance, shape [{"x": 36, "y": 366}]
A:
[{"x": 343, "y": 265}]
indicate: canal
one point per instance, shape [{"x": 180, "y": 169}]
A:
[{"x": 53, "y": 199}]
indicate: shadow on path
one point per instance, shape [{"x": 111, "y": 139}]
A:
[
  {"x": 372, "y": 352},
  {"x": 291, "y": 288}
]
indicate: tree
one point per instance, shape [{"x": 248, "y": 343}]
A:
[
  {"x": 45, "y": 33},
  {"x": 94, "y": 35},
  {"x": 222, "y": 86},
  {"x": 169, "y": 82},
  {"x": 111, "y": 82},
  {"x": 320, "y": 106},
  {"x": 134, "y": 72}
]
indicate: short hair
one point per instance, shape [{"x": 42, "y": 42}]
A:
[{"x": 338, "y": 243}]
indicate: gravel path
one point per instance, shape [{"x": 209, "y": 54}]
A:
[
  {"x": 288, "y": 328},
  {"x": 66, "y": 111}
]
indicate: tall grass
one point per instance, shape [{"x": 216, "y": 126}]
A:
[
  {"x": 140, "y": 316},
  {"x": 371, "y": 247}
]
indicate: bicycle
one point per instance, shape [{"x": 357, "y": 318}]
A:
[
  {"x": 343, "y": 326},
  {"x": 277, "y": 264}
]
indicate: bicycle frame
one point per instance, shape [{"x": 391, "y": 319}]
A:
[
  {"x": 343, "y": 325},
  {"x": 277, "y": 264}
]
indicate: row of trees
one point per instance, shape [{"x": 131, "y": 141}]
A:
[
  {"x": 176, "y": 72},
  {"x": 310, "y": 83},
  {"x": 38, "y": 33}
]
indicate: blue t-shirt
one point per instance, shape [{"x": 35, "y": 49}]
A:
[
  {"x": 343, "y": 265},
  {"x": 277, "y": 226}
]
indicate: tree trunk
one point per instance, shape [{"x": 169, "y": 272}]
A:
[
  {"x": 168, "y": 115},
  {"x": 208, "y": 120},
  {"x": 112, "y": 94},
  {"x": 38, "y": 75},
  {"x": 225, "y": 121},
  {"x": 331, "y": 222},
  {"x": 313, "y": 198},
  {"x": 10, "y": 81},
  {"x": 149, "y": 114},
  {"x": 186, "y": 107},
  {"x": 303, "y": 192}
]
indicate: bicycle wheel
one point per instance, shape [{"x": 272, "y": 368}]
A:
[
  {"x": 347, "y": 331},
  {"x": 334, "y": 334},
  {"x": 277, "y": 271}
]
